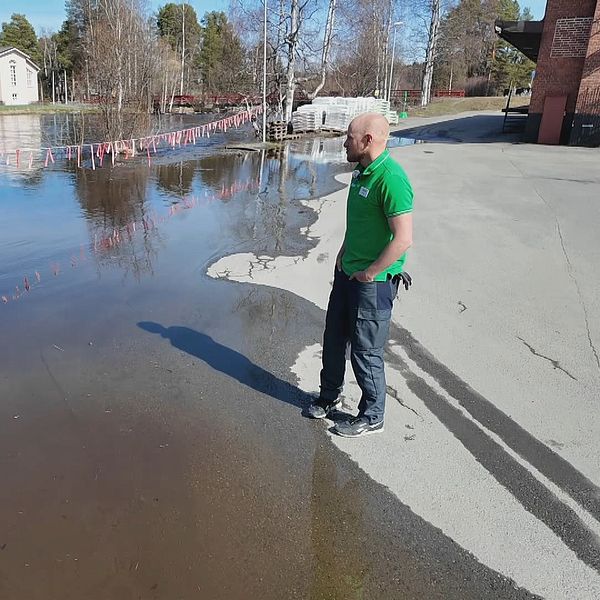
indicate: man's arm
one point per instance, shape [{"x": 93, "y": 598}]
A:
[{"x": 401, "y": 227}]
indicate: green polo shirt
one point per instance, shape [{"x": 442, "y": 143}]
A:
[{"x": 377, "y": 192}]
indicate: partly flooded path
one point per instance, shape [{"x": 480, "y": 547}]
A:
[{"x": 151, "y": 444}]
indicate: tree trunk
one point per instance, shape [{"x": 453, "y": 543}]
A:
[
  {"x": 326, "y": 48},
  {"x": 431, "y": 50},
  {"x": 292, "y": 42}
]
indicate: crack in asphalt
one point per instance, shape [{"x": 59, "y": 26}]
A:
[
  {"x": 554, "y": 362},
  {"x": 472, "y": 432},
  {"x": 550, "y": 464},
  {"x": 394, "y": 394},
  {"x": 581, "y": 301},
  {"x": 570, "y": 271}
]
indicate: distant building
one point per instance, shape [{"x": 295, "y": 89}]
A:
[
  {"x": 18, "y": 77},
  {"x": 565, "y": 99}
]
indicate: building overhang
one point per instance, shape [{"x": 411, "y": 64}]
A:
[{"x": 526, "y": 36}]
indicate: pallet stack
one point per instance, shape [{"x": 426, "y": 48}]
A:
[
  {"x": 307, "y": 118},
  {"x": 335, "y": 114},
  {"x": 276, "y": 131}
]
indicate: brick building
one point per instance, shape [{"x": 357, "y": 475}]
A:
[{"x": 565, "y": 100}]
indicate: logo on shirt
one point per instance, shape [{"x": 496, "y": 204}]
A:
[{"x": 364, "y": 192}]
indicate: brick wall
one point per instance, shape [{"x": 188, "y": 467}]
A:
[
  {"x": 590, "y": 80},
  {"x": 561, "y": 58},
  {"x": 571, "y": 37},
  {"x": 586, "y": 121}
]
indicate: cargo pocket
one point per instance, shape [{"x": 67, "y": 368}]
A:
[{"x": 371, "y": 328}]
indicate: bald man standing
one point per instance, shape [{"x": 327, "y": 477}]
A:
[{"x": 367, "y": 275}]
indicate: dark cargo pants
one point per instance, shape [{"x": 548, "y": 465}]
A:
[{"x": 358, "y": 313}]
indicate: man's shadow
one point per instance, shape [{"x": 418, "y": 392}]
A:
[{"x": 229, "y": 362}]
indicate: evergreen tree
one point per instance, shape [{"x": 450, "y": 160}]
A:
[
  {"x": 222, "y": 57},
  {"x": 19, "y": 33},
  {"x": 526, "y": 14},
  {"x": 68, "y": 44},
  {"x": 511, "y": 68},
  {"x": 170, "y": 23}
]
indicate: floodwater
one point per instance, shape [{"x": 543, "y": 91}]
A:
[{"x": 151, "y": 443}]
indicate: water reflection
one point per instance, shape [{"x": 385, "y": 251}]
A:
[
  {"x": 125, "y": 217},
  {"x": 20, "y": 131},
  {"x": 176, "y": 178},
  {"x": 320, "y": 150},
  {"x": 113, "y": 201},
  {"x": 225, "y": 171},
  {"x": 331, "y": 150}
]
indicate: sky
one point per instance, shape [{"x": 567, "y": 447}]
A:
[{"x": 50, "y": 14}]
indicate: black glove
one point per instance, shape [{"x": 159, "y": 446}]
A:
[{"x": 405, "y": 280}]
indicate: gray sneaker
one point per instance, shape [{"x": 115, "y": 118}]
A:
[
  {"x": 357, "y": 426},
  {"x": 321, "y": 408}
]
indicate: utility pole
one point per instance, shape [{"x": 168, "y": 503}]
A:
[
  {"x": 389, "y": 91},
  {"x": 264, "y": 86}
]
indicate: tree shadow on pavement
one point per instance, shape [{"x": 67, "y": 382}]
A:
[
  {"x": 229, "y": 362},
  {"x": 474, "y": 129}
]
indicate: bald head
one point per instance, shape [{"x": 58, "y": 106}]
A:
[
  {"x": 372, "y": 124},
  {"x": 367, "y": 138}
]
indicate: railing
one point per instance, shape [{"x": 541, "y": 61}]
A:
[
  {"x": 449, "y": 93},
  {"x": 415, "y": 95}
]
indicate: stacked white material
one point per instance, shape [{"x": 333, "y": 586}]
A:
[
  {"x": 392, "y": 117},
  {"x": 340, "y": 118},
  {"x": 307, "y": 118},
  {"x": 339, "y": 112}
]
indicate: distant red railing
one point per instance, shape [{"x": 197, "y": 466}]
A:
[
  {"x": 412, "y": 94},
  {"x": 449, "y": 93}
]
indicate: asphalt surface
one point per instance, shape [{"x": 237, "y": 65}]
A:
[
  {"x": 151, "y": 437},
  {"x": 493, "y": 372}
]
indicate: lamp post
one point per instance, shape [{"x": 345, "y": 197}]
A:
[{"x": 396, "y": 25}]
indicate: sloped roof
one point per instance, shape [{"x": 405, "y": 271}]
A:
[{"x": 7, "y": 49}]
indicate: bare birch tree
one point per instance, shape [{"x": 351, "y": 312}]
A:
[
  {"x": 299, "y": 43},
  {"x": 119, "y": 43},
  {"x": 362, "y": 54},
  {"x": 430, "y": 55}
]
